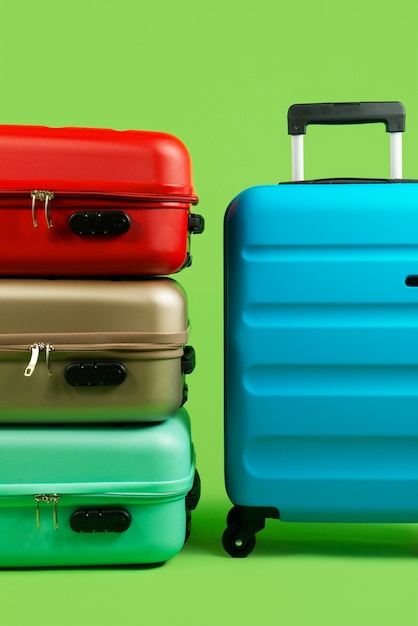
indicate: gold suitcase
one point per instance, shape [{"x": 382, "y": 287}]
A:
[{"x": 92, "y": 350}]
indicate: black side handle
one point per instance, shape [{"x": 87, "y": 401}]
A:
[
  {"x": 392, "y": 114},
  {"x": 196, "y": 224},
  {"x": 95, "y": 374},
  {"x": 188, "y": 360}
]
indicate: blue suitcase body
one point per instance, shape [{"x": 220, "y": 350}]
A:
[{"x": 321, "y": 365}]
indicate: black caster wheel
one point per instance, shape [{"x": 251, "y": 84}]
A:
[{"x": 234, "y": 544}]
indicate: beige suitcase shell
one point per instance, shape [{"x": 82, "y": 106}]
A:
[{"x": 92, "y": 350}]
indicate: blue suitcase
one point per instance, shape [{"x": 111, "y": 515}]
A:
[
  {"x": 97, "y": 494},
  {"x": 321, "y": 341}
]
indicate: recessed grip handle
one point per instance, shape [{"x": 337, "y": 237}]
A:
[{"x": 392, "y": 114}]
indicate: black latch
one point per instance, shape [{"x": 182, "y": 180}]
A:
[
  {"x": 97, "y": 374},
  {"x": 99, "y": 223},
  {"x": 100, "y": 520},
  {"x": 196, "y": 224}
]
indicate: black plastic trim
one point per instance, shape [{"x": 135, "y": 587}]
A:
[
  {"x": 185, "y": 395},
  {"x": 196, "y": 223},
  {"x": 95, "y": 374},
  {"x": 412, "y": 280},
  {"x": 192, "y": 500},
  {"x": 100, "y": 520},
  {"x": 187, "y": 262},
  {"x": 193, "y": 497},
  {"x": 188, "y": 360},
  {"x": 91, "y": 223}
]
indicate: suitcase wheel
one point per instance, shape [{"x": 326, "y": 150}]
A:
[
  {"x": 243, "y": 522},
  {"x": 236, "y": 543}
]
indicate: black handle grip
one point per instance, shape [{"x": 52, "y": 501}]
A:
[{"x": 392, "y": 114}]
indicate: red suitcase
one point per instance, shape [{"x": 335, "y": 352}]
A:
[{"x": 95, "y": 202}]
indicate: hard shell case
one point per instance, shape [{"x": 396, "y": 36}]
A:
[
  {"x": 92, "y": 350},
  {"x": 92, "y": 201},
  {"x": 96, "y": 495},
  {"x": 321, "y": 371}
]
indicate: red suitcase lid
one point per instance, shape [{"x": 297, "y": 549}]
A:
[{"x": 94, "y": 160}]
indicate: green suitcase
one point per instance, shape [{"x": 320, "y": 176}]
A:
[{"x": 96, "y": 495}]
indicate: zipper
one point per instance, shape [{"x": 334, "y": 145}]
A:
[
  {"x": 43, "y": 196},
  {"x": 140, "y": 196},
  {"x": 54, "y": 498},
  {"x": 123, "y": 492},
  {"x": 134, "y": 196},
  {"x": 47, "y": 498},
  {"x": 35, "y": 350},
  {"x": 146, "y": 344},
  {"x": 172, "y": 349}
]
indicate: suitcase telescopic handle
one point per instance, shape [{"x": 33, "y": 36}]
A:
[{"x": 392, "y": 114}]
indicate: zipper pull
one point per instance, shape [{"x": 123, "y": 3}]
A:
[
  {"x": 48, "y": 349},
  {"x": 55, "y": 497},
  {"x": 35, "y": 349},
  {"x": 34, "y": 220},
  {"x": 38, "y": 498},
  {"x": 42, "y": 196},
  {"x": 48, "y": 197},
  {"x": 47, "y": 498}
]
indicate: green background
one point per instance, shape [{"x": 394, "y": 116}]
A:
[{"x": 221, "y": 76}]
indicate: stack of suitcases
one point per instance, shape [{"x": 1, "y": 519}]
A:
[{"x": 97, "y": 465}]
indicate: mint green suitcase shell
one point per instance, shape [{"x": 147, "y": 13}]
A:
[{"x": 145, "y": 470}]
